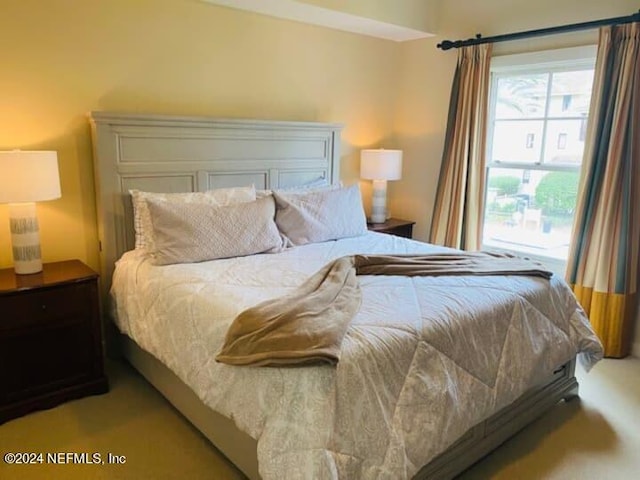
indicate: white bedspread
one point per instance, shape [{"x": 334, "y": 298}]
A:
[{"x": 425, "y": 359}]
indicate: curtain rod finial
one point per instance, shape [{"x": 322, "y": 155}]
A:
[{"x": 446, "y": 45}]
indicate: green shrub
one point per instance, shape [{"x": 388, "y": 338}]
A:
[
  {"x": 505, "y": 185},
  {"x": 557, "y": 192},
  {"x": 510, "y": 207}
]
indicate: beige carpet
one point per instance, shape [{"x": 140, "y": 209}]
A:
[{"x": 596, "y": 437}]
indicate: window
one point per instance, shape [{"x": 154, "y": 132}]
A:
[
  {"x": 530, "y": 139},
  {"x": 562, "y": 141},
  {"x": 539, "y": 107}
]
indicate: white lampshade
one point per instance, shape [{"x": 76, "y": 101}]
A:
[
  {"x": 28, "y": 176},
  {"x": 381, "y": 164}
]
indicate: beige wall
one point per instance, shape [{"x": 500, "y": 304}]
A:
[{"x": 171, "y": 56}]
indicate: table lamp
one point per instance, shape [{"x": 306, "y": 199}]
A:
[
  {"x": 380, "y": 165},
  {"x": 27, "y": 177}
]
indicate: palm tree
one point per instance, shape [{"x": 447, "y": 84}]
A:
[{"x": 522, "y": 94}]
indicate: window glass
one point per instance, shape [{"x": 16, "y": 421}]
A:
[
  {"x": 521, "y": 96},
  {"x": 537, "y": 128},
  {"x": 570, "y": 93},
  {"x": 530, "y": 211},
  {"x": 517, "y": 141},
  {"x": 563, "y": 143}
]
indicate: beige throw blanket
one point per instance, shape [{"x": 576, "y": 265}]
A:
[{"x": 308, "y": 325}]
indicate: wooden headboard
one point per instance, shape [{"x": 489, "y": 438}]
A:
[{"x": 161, "y": 153}]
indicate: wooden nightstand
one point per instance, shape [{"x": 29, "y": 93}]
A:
[
  {"x": 394, "y": 226},
  {"x": 50, "y": 338}
]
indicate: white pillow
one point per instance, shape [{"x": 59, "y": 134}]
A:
[
  {"x": 186, "y": 233},
  {"x": 320, "y": 215},
  {"x": 315, "y": 185},
  {"x": 218, "y": 197}
]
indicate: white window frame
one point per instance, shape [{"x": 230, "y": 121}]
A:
[{"x": 530, "y": 63}]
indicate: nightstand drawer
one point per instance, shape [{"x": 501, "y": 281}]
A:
[
  {"x": 50, "y": 338},
  {"x": 45, "y": 360},
  {"x": 52, "y": 307}
]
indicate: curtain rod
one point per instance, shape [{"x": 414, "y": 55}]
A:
[{"x": 447, "y": 44}]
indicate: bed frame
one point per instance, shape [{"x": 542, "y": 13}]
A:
[{"x": 186, "y": 154}]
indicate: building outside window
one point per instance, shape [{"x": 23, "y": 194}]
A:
[
  {"x": 531, "y": 137},
  {"x": 562, "y": 141},
  {"x": 539, "y": 106}
]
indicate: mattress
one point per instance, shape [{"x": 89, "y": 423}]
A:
[{"x": 424, "y": 359}]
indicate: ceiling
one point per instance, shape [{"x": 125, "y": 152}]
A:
[{"x": 301, "y": 11}]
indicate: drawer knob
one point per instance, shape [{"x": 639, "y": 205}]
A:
[{"x": 44, "y": 306}]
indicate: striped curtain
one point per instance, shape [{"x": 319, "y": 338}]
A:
[
  {"x": 603, "y": 261},
  {"x": 457, "y": 216}
]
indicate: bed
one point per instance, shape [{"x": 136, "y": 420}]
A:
[{"x": 426, "y": 411}]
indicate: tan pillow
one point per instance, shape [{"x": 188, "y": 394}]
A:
[
  {"x": 186, "y": 233},
  {"x": 320, "y": 215},
  {"x": 219, "y": 197}
]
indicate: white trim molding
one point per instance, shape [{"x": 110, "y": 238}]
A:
[
  {"x": 547, "y": 59},
  {"x": 325, "y": 17}
]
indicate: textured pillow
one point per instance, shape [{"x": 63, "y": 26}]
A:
[
  {"x": 317, "y": 216},
  {"x": 315, "y": 185},
  {"x": 219, "y": 197},
  {"x": 186, "y": 233}
]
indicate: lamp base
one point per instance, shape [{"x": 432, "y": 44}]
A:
[
  {"x": 25, "y": 238},
  {"x": 379, "y": 202}
]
